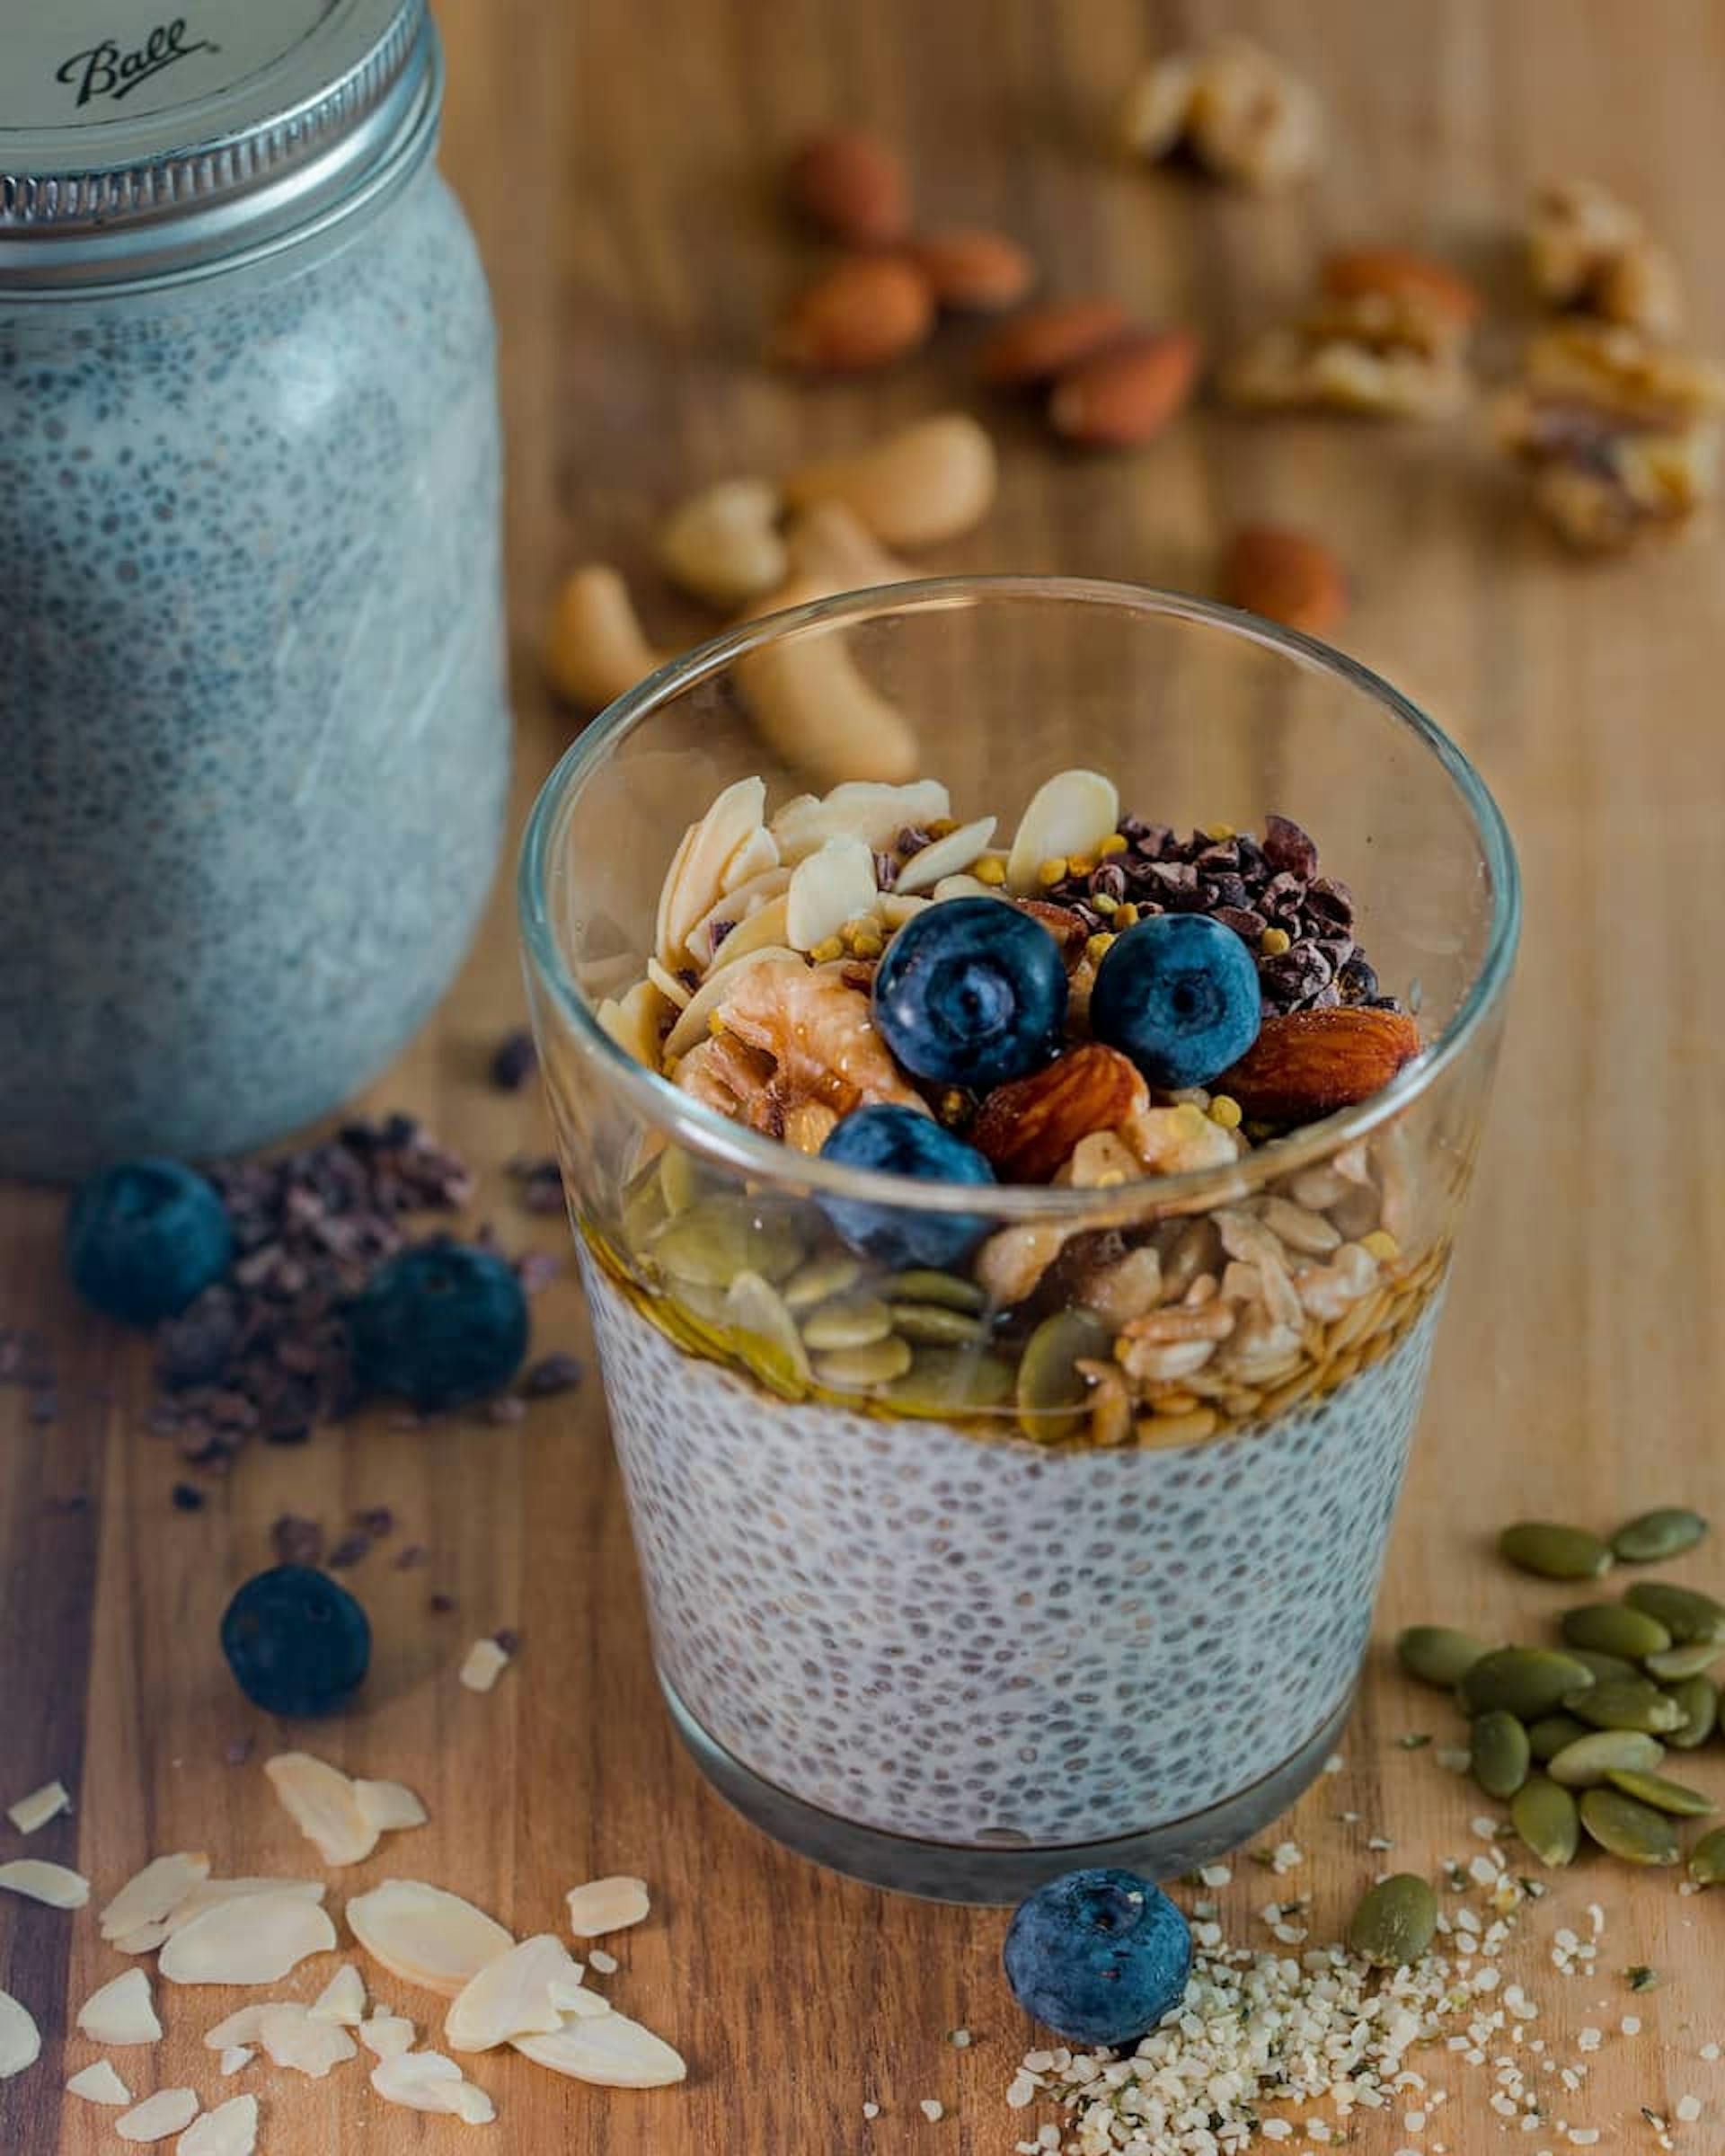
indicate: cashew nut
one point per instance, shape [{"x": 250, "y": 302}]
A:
[
  {"x": 723, "y": 543},
  {"x": 831, "y": 545},
  {"x": 815, "y": 710},
  {"x": 934, "y": 481},
  {"x": 594, "y": 648}
]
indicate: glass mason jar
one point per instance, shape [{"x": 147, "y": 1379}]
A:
[
  {"x": 252, "y": 712},
  {"x": 1074, "y": 1562}
]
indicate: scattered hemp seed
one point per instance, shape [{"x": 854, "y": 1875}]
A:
[
  {"x": 931, "y": 2109},
  {"x": 870, "y": 2110},
  {"x": 959, "y": 2039},
  {"x": 1416, "y": 1740}
]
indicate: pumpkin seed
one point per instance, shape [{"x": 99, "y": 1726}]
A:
[
  {"x": 644, "y": 1212},
  {"x": 1625, "y": 1703},
  {"x": 764, "y": 1337},
  {"x": 682, "y": 1180},
  {"x": 1684, "y": 1613},
  {"x": 854, "y": 1369},
  {"x": 1589, "y": 1759},
  {"x": 1613, "y": 1628},
  {"x": 1552, "y": 1551},
  {"x": 1552, "y": 1732},
  {"x": 1634, "y": 1832},
  {"x": 1436, "y": 1653},
  {"x": 1053, "y": 1393},
  {"x": 1525, "y": 1681},
  {"x": 1662, "y": 1795},
  {"x": 1652, "y": 1538},
  {"x": 1699, "y": 1699},
  {"x": 719, "y": 1237},
  {"x": 1544, "y": 1814},
  {"x": 1606, "y": 1669},
  {"x": 848, "y": 1322},
  {"x": 834, "y": 1273},
  {"x": 934, "y": 1325},
  {"x": 1686, "y": 1661},
  {"x": 921, "y": 1285},
  {"x": 1502, "y": 1753},
  {"x": 1394, "y": 1924},
  {"x": 951, "y": 1381},
  {"x": 1707, "y": 1860}
]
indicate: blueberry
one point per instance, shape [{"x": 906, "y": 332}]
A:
[
  {"x": 971, "y": 992},
  {"x": 297, "y": 1641},
  {"x": 897, "y": 1141},
  {"x": 1179, "y": 995},
  {"x": 438, "y": 1325},
  {"x": 1099, "y": 1957},
  {"x": 145, "y": 1239}
]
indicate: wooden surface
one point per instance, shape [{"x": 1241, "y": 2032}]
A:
[{"x": 615, "y": 159}]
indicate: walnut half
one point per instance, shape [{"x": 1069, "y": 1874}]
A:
[
  {"x": 1242, "y": 113},
  {"x": 1590, "y": 251}
]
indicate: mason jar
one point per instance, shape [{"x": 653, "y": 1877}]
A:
[{"x": 254, "y": 738}]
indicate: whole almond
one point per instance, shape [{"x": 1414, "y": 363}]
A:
[
  {"x": 1399, "y": 273},
  {"x": 1311, "y": 1063},
  {"x": 1126, "y": 394},
  {"x": 863, "y": 313},
  {"x": 1287, "y": 576},
  {"x": 851, "y": 185},
  {"x": 1029, "y": 1128},
  {"x": 1044, "y": 341},
  {"x": 973, "y": 271}
]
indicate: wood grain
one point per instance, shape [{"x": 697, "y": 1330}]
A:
[{"x": 615, "y": 160}]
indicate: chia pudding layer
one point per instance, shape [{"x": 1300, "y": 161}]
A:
[{"x": 970, "y": 1638}]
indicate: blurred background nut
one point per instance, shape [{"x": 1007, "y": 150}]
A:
[
  {"x": 1589, "y": 251},
  {"x": 971, "y": 271},
  {"x": 863, "y": 313},
  {"x": 1045, "y": 341},
  {"x": 850, "y": 185},
  {"x": 1287, "y": 576},
  {"x": 1127, "y": 394},
  {"x": 723, "y": 544},
  {"x": 1244, "y": 114},
  {"x": 829, "y": 545},
  {"x": 934, "y": 481},
  {"x": 811, "y": 705},
  {"x": 1399, "y": 273},
  {"x": 594, "y": 647}
]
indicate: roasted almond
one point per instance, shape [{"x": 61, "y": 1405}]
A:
[
  {"x": 1287, "y": 576},
  {"x": 863, "y": 313},
  {"x": 1029, "y": 1128},
  {"x": 1044, "y": 341},
  {"x": 1399, "y": 273},
  {"x": 850, "y": 185},
  {"x": 1068, "y": 927},
  {"x": 1126, "y": 394},
  {"x": 973, "y": 271},
  {"x": 1313, "y": 1062}
]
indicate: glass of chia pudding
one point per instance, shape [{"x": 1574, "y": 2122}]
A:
[{"x": 1015, "y": 1195}]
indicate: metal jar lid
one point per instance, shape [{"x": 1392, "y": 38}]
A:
[{"x": 138, "y": 145}]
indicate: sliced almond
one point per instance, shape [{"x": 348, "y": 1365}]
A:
[
  {"x": 484, "y": 1664},
  {"x": 168, "y": 2111},
  {"x": 38, "y": 1881},
  {"x": 253, "y": 1940},
  {"x": 39, "y": 1807},
  {"x": 1071, "y": 813},
  {"x": 896, "y": 907},
  {"x": 232, "y": 1890},
  {"x": 864, "y": 808},
  {"x": 319, "y": 1799},
  {"x": 946, "y": 856},
  {"x": 99, "y": 2084},
  {"x": 768, "y": 930},
  {"x": 292, "y": 2038},
  {"x": 511, "y": 1996},
  {"x": 829, "y": 886},
  {"x": 230, "y": 2129},
  {"x": 692, "y": 1024},
  {"x": 390, "y": 1806},
  {"x": 605, "y": 1905},
  {"x": 387, "y": 2034},
  {"x": 421, "y": 2081},
  {"x": 737, "y": 906},
  {"x": 470, "y": 2103},
  {"x": 757, "y": 856},
  {"x": 159, "y": 1887},
  {"x": 633, "y": 1021},
  {"x": 20, "y": 2041},
  {"x": 235, "y": 2056},
  {"x": 426, "y": 1936},
  {"x": 241, "y": 2026},
  {"x": 675, "y": 992},
  {"x": 146, "y": 1939},
  {"x": 121, "y": 2012},
  {"x": 697, "y": 875},
  {"x": 576, "y": 2001},
  {"x": 609, "y": 2049},
  {"x": 342, "y": 1998},
  {"x": 965, "y": 887}
]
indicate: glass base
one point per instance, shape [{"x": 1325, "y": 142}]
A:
[{"x": 940, "y": 1871}]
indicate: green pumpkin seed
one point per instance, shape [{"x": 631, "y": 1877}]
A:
[
  {"x": 1524, "y": 1681},
  {"x": 1625, "y": 1703},
  {"x": 1686, "y": 1661},
  {"x": 1634, "y": 1832},
  {"x": 1662, "y": 1795},
  {"x": 1438, "y": 1655},
  {"x": 1684, "y": 1613},
  {"x": 1589, "y": 1759},
  {"x": 1552, "y": 1732},
  {"x": 1502, "y": 1753},
  {"x": 644, "y": 1212},
  {"x": 1613, "y": 1628},
  {"x": 1544, "y": 1814},
  {"x": 951, "y": 1381},
  {"x": 1552, "y": 1551},
  {"x": 1707, "y": 1860},
  {"x": 764, "y": 1335},
  {"x": 1606, "y": 1669},
  {"x": 834, "y": 1273},
  {"x": 1699, "y": 1699},
  {"x": 947, "y": 1288},
  {"x": 847, "y": 1321},
  {"x": 682, "y": 1180},
  {"x": 1653, "y": 1538},
  {"x": 1053, "y": 1393},
  {"x": 855, "y": 1369},
  {"x": 934, "y": 1325},
  {"x": 1395, "y": 1923},
  {"x": 719, "y": 1237}
]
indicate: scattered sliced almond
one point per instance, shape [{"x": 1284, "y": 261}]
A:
[
  {"x": 146, "y": 1939},
  {"x": 342, "y": 1998},
  {"x": 421, "y": 2081},
  {"x": 20, "y": 2041},
  {"x": 39, "y": 1807},
  {"x": 235, "y": 2057},
  {"x": 470, "y": 2103},
  {"x": 121, "y": 2012},
  {"x": 99, "y": 2084},
  {"x": 387, "y": 2034},
  {"x": 864, "y": 808},
  {"x": 319, "y": 1800},
  {"x": 426, "y": 1936},
  {"x": 696, "y": 873},
  {"x": 159, "y": 1888},
  {"x": 254, "y": 1940},
  {"x": 829, "y": 887},
  {"x": 484, "y": 1664},
  {"x": 293, "y": 2038},
  {"x": 38, "y": 1881},
  {"x": 1071, "y": 813},
  {"x": 738, "y": 905},
  {"x": 757, "y": 856},
  {"x": 511, "y": 1996},
  {"x": 230, "y": 2129},
  {"x": 168, "y": 2111},
  {"x": 390, "y": 1806},
  {"x": 608, "y": 2049},
  {"x": 609, "y": 1904},
  {"x": 576, "y": 2000},
  {"x": 213, "y": 1891},
  {"x": 948, "y": 856},
  {"x": 241, "y": 2026}
]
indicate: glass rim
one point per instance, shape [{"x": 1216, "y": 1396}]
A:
[{"x": 715, "y": 1137}]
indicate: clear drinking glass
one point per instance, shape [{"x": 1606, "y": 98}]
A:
[{"x": 949, "y": 1618}]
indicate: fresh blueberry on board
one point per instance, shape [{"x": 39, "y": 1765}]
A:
[
  {"x": 898, "y": 1141},
  {"x": 440, "y": 1324},
  {"x": 1099, "y": 1957},
  {"x": 971, "y": 992},
  {"x": 1179, "y": 995},
  {"x": 145, "y": 1238},
  {"x": 297, "y": 1641}
]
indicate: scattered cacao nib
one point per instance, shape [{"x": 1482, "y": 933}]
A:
[
  {"x": 550, "y": 1374},
  {"x": 513, "y": 1060},
  {"x": 348, "y": 1551},
  {"x": 885, "y": 872},
  {"x": 510, "y": 1642},
  {"x": 44, "y": 1405},
  {"x": 297, "y": 1540},
  {"x": 411, "y": 1557},
  {"x": 537, "y": 1269},
  {"x": 719, "y": 931},
  {"x": 540, "y": 1182},
  {"x": 377, "y": 1521},
  {"x": 507, "y": 1408},
  {"x": 440, "y": 1604},
  {"x": 1287, "y": 846},
  {"x": 240, "y": 1750},
  {"x": 187, "y": 1498}
]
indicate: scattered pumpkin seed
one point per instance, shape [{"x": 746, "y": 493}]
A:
[
  {"x": 1436, "y": 1653},
  {"x": 854, "y": 1369},
  {"x": 1551, "y": 1550},
  {"x": 1699, "y": 1699},
  {"x": 1607, "y": 1669},
  {"x": 855, "y": 1320},
  {"x": 1634, "y": 1832},
  {"x": 1502, "y": 1753},
  {"x": 937, "y": 1325},
  {"x": 1415, "y": 1740},
  {"x": 1544, "y": 1814},
  {"x": 719, "y": 1237},
  {"x": 1707, "y": 1860},
  {"x": 1684, "y": 1612},
  {"x": 1687, "y": 1660},
  {"x": 1524, "y": 1681},
  {"x": 1663, "y": 1795},
  {"x": 1395, "y": 1922},
  {"x": 1589, "y": 1759},
  {"x": 1613, "y": 1628},
  {"x": 1641, "y": 1978},
  {"x": 924, "y": 1286},
  {"x": 1052, "y": 1391},
  {"x": 834, "y": 1273},
  {"x": 1625, "y": 1703},
  {"x": 1653, "y": 1538},
  {"x": 951, "y": 1381},
  {"x": 1552, "y": 1732}
]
